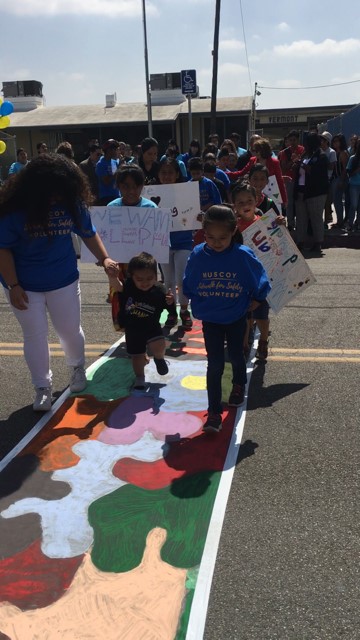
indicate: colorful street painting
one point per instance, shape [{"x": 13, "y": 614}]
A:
[{"x": 105, "y": 513}]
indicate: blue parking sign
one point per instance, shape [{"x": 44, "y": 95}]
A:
[{"x": 188, "y": 81}]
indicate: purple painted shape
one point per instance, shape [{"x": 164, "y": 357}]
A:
[{"x": 135, "y": 415}]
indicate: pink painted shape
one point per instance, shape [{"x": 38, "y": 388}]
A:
[{"x": 135, "y": 415}]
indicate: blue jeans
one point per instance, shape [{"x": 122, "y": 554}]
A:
[
  {"x": 215, "y": 335},
  {"x": 354, "y": 203}
]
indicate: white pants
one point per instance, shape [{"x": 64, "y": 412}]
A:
[
  {"x": 63, "y": 306},
  {"x": 174, "y": 272}
]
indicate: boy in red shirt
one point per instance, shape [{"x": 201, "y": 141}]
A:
[{"x": 244, "y": 199}]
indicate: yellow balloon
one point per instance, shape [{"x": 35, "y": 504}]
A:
[
  {"x": 2, "y": 146},
  {"x": 4, "y": 122}
]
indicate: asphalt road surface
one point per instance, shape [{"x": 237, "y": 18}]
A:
[{"x": 288, "y": 561}]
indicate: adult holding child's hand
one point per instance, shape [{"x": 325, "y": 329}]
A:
[{"x": 39, "y": 209}]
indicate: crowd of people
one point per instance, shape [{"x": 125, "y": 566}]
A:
[{"x": 49, "y": 199}]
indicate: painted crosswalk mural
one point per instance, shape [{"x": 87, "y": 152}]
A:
[{"x": 104, "y": 515}]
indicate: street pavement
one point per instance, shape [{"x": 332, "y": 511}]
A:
[{"x": 288, "y": 560}]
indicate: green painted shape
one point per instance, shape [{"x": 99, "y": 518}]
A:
[
  {"x": 184, "y": 618},
  {"x": 112, "y": 379},
  {"x": 191, "y": 577},
  {"x": 123, "y": 519},
  {"x": 226, "y": 383}
]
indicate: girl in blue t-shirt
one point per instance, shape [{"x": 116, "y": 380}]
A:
[{"x": 224, "y": 280}]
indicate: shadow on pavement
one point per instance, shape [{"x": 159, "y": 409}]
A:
[{"x": 262, "y": 397}]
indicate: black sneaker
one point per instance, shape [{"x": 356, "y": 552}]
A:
[
  {"x": 171, "y": 321},
  {"x": 161, "y": 366},
  {"x": 316, "y": 247},
  {"x": 139, "y": 384},
  {"x": 262, "y": 350},
  {"x": 213, "y": 423},
  {"x": 237, "y": 394},
  {"x": 186, "y": 320}
]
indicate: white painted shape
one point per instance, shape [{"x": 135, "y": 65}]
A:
[
  {"x": 66, "y": 530},
  {"x": 173, "y": 397}
]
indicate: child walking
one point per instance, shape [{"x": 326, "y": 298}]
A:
[
  {"x": 245, "y": 201},
  {"x": 180, "y": 248},
  {"x": 258, "y": 178},
  {"x": 142, "y": 300},
  {"x": 224, "y": 280}
]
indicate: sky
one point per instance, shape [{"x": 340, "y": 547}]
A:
[{"x": 82, "y": 50}]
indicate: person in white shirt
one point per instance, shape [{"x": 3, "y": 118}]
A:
[{"x": 326, "y": 139}]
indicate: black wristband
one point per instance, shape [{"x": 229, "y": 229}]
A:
[
  {"x": 12, "y": 286},
  {"x": 103, "y": 260}
]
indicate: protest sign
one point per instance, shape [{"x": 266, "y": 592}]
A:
[
  {"x": 126, "y": 231},
  {"x": 286, "y": 268},
  {"x": 183, "y": 199},
  {"x": 272, "y": 190}
]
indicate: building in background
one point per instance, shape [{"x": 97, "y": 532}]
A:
[{"x": 33, "y": 122}]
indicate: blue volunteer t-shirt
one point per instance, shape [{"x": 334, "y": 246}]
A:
[
  {"x": 209, "y": 193},
  {"x": 221, "y": 175},
  {"x": 221, "y": 284},
  {"x": 181, "y": 240},
  {"x": 44, "y": 262},
  {"x": 16, "y": 167},
  {"x": 107, "y": 168}
]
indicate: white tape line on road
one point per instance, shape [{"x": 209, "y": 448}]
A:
[
  {"x": 49, "y": 414},
  {"x": 197, "y": 619}
]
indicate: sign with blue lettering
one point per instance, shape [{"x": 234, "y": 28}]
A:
[
  {"x": 126, "y": 231},
  {"x": 188, "y": 82}
]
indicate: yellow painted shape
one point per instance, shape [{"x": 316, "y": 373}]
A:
[{"x": 195, "y": 383}]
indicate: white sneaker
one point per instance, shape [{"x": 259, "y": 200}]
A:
[
  {"x": 78, "y": 380},
  {"x": 42, "y": 400}
]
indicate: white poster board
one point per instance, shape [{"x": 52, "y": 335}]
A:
[
  {"x": 183, "y": 199},
  {"x": 285, "y": 266},
  {"x": 272, "y": 190},
  {"x": 126, "y": 231}
]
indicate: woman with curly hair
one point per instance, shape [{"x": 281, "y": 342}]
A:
[{"x": 39, "y": 208}]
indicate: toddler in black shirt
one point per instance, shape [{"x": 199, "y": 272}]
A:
[{"x": 142, "y": 300}]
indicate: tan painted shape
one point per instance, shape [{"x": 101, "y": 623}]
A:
[{"x": 144, "y": 603}]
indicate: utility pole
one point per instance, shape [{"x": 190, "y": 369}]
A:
[
  {"x": 215, "y": 54},
  {"x": 147, "y": 78},
  {"x": 253, "y": 110}
]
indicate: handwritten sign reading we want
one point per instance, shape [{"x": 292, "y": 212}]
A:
[
  {"x": 285, "y": 266},
  {"x": 183, "y": 199},
  {"x": 126, "y": 231}
]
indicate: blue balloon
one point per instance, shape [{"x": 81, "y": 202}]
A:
[{"x": 6, "y": 108}]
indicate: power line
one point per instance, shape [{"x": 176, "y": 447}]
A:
[
  {"x": 318, "y": 86},
  {"x": 246, "y": 51}
]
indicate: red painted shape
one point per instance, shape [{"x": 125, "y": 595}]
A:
[
  {"x": 30, "y": 579},
  {"x": 199, "y": 452}
]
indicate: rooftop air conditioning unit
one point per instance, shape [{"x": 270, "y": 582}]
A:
[{"x": 110, "y": 100}]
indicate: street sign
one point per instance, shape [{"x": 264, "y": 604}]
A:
[{"x": 188, "y": 82}]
